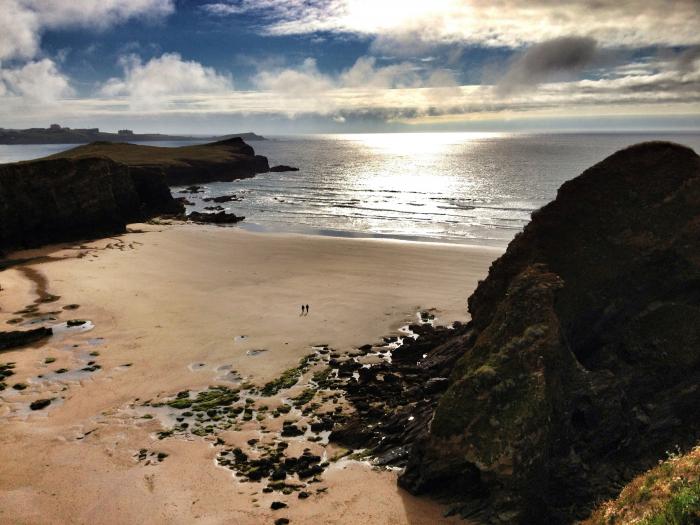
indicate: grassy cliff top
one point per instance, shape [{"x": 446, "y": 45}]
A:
[
  {"x": 668, "y": 494},
  {"x": 223, "y": 151}
]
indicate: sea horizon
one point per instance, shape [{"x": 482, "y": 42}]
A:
[{"x": 476, "y": 188}]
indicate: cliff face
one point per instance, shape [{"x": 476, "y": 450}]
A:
[
  {"x": 583, "y": 365},
  {"x": 97, "y": 189},
  {"x": 225, "y": 160},
  {"x": 58, "y": 200}
]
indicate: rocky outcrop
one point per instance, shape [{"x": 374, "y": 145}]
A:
[
  {"x": 48, "y": 201},
  {"x": 220, "y": 217},
  {"x": 19, "y": 338},
  {"x": 283, "y": 167},
  {"x": 581, "y": 365},
  {"x": 225, "y": 160}
]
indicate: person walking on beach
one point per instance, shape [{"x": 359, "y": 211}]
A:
[
  {"x": 302, "y": 309},
  {"x": 307, "y": 309}
]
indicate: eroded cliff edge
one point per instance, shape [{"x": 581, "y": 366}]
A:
[
  {"x": 583, "y": 362},
  {"x": 48, "y": 201},
  {"x": 97, "y": 189}
]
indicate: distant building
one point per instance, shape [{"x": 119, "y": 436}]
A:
[{"x": 125, "y": 132}]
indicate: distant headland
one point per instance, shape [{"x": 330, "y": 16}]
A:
[{"x": 57, "y": 134}]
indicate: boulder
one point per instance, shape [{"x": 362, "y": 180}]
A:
[
  {"x": 214, "y": 218},
  {"x": 283, "y": 167},
  {"x": 19, "y": 338}
]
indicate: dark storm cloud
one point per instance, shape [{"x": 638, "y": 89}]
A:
[
  {"x": 555, "y": 59},
  {"x": 688, "y": 60}
]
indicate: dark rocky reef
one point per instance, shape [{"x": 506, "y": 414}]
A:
[
  {"x": 220, "y": 217},
  {"x": 19, "y": 338},
  {"x": 283, "y": 167},
  {"x": 580, "y": 367},
  {"x": 57, "y": 200},
  {"x": 225, "y": 160}
]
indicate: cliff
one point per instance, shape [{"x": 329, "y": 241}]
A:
[
  {"x": 581, "y": 365},
  {"x": 224, "y": 160},
  {"x": 48, "y": 201}
]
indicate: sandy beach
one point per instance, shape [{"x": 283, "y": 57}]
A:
[{"x": 183, "y": 307}]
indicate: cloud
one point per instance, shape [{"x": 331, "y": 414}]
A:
[
  {"x": 303, "y": 80},
  {"x": 153, "y": 83},
  {"x": 26, "y": 79},
  {"x": 23, "y": 21},
  {"x": 400, "y": 25},
  {"x": 35, "y": 82},
  {"x": 560, "y": 58},
  {"x": 309, "y": 90},
  {"x": 223, "y": 9},
  {"x": 689, "y": 59}
]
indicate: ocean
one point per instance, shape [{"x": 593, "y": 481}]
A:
[{"x": 471, "y": 188}]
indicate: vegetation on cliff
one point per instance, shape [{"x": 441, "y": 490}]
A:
[
  {"x": 668, "y": 494},
  {"x": 224, "y": 160}
]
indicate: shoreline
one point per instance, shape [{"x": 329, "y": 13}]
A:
[
  {"x": 169, "y": 299},
  {"x": 253, "y": 227}
]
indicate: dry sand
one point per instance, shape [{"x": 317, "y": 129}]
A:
[{"x": 173, "y": 304}]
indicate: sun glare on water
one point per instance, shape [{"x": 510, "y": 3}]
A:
[{"x": 411, "y": 162}]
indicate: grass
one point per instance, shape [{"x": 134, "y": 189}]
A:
[
  {"x": 140, "y": 155},
  {"x": 682, "y": 509},
  {"x": 668, "y": 494}
]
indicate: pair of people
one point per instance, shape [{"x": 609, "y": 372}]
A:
[{"x": 304, "y": 309}]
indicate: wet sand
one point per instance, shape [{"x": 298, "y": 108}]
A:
[{"x": 184, "y": 307}]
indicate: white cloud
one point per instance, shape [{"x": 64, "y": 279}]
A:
[
  {"x": 408, "y": 25},
  {"x": 306, "y": 79},
  {"x": 155, "y": 82},
  {"x": 309, "y": 90},
  {"x": 23, "y": 21},
  {"x": 36, "y": 82},
  {"x": 223, "y": 9}
]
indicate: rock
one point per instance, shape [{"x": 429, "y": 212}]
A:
[
  {"x": 435, "y": 384},
  {"x": 192, "y": 189},
  {"x": 18, "y": 338},
  {"x": 222, "y": 198},
  {"x": 184, "y": 201},
  {"x": 56, "y": 200},
  {"x": 214, "y": 218},
  {"x": 276, "y": 505},
  {"x": 75, "y": 322},
  {"x": 281, "y": 521},
  {"x": 283, "y": 167},
  {"x": 355, "y": 434},
  {"x": 290, "y": 430},
  {"x": 591, "y": 311},
  {"x": 39, "y": 404}
]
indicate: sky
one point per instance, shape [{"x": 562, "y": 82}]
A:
[{"x": 306, "y": 66}]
